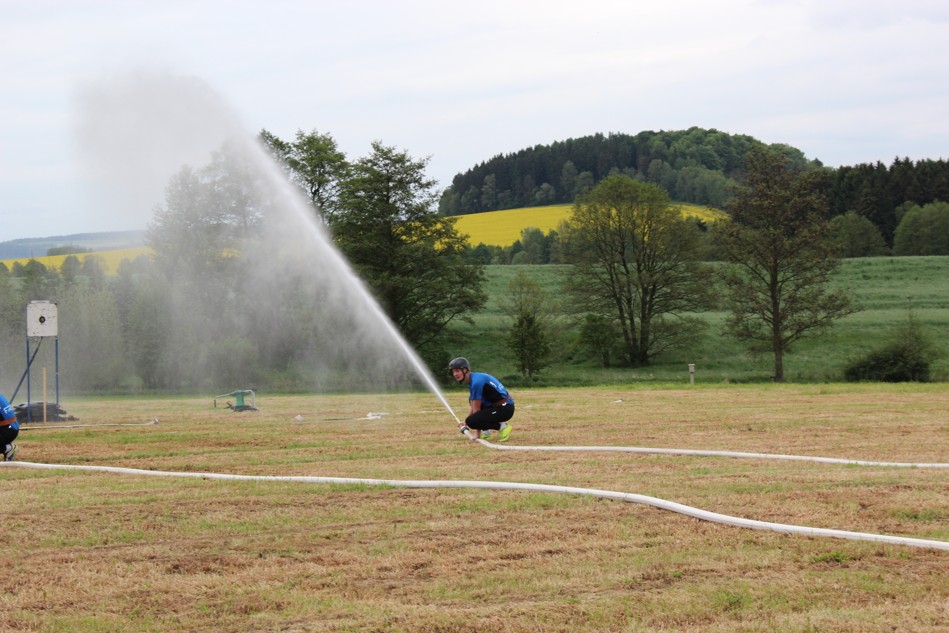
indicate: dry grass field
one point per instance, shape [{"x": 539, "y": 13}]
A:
[{"x": 93, "y": 552}]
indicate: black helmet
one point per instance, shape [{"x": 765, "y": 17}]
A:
[{"x": 459, "y": 363}]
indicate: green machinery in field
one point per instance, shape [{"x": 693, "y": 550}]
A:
[{"x": 239, "y": 404}]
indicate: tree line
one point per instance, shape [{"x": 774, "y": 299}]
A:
[
  {"x": 694, "y": 165},
  {"x": 922, "y": 230},
  {"x": 201, "y": 313},
  {"x": 697, "y": 166}
]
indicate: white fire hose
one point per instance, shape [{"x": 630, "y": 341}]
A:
[
  {"x": 501, "y": 485},
  {"x": 685, "y": 451}
]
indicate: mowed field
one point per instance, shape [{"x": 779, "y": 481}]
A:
[{"x": 97, "y": 551}]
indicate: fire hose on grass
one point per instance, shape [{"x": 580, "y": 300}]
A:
[
  {"x": 702, "y": 453},
  {"x": 43, "y": 427},
  {"x": 663, "y": 504}
]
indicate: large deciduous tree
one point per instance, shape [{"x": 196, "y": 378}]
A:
[
  {"x": 412, "y": 258},
  {"x": 636, "y": 262},
  {"x": 200, "y": 236},
  {"x": 210, "y": 216},
  {"x": 781, "y": 258},
  {"x": 313, "y": 162}
]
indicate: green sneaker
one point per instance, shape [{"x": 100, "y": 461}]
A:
[
  {"x": 505, "y": 432},
  {"x": 10, "y": 454},
  {"x": 487, "y": 435}
]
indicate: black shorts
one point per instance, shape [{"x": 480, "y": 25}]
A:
[
  {"x": 8, "y": 434},
  {"x": 490, "y": 418}
]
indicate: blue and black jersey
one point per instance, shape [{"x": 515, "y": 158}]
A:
[
  {"x": 8, "y": 414},
  {"x": 488, "y": 390}
]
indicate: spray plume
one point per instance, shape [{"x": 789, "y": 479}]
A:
[{"x": 143, "y": 136}]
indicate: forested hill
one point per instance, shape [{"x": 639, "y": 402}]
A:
[{"x": 694, "y": 165}]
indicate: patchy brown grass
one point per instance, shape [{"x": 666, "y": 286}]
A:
[{"x": 92, "y": 552}]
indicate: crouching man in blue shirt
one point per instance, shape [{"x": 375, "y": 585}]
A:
[
  {"x": 9, "y": 429},
  {"x": 490, "y": 404}
]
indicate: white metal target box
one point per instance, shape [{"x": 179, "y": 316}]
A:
[{"x": 41, "y": 319}]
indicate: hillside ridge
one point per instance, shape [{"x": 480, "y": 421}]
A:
[{"x": 98, "y": 241}]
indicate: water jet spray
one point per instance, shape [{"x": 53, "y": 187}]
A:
[{"x": 138, "y": 130}]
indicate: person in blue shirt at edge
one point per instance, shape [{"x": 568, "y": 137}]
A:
[
  {"x": 9, "y": 429},
  {"x": 490, "y": 404}
]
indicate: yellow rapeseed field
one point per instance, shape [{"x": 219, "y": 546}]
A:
[
  {"x": 503, "y": 228},
  {"x": 494, "y": 228},
  {"x": 110, "y": 260}
]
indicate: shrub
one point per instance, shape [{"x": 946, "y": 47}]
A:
[
  {"x": 856, "y": 236},
  {"x": 923, "y": 230},
  {"x": 531, "y": 345},
  {"x": 906, "y": 358},
  {"x": 598, "y": 334}
]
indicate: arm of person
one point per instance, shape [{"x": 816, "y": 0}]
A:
[{"x": 474, "y": 406}]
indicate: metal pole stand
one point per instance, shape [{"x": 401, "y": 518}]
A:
[{"x": 41, "y": 322}]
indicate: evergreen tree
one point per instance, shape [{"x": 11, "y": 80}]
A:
[
  {"x": 530, "y": 335},
  {"x": 530, "y": 345}
]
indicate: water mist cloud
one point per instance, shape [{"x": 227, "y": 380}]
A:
[
  {"x": 247, "y": 279},
  {"x": 135, "y": 129}
]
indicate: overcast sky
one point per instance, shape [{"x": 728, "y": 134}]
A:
[{"x": 845, "y": 81}]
